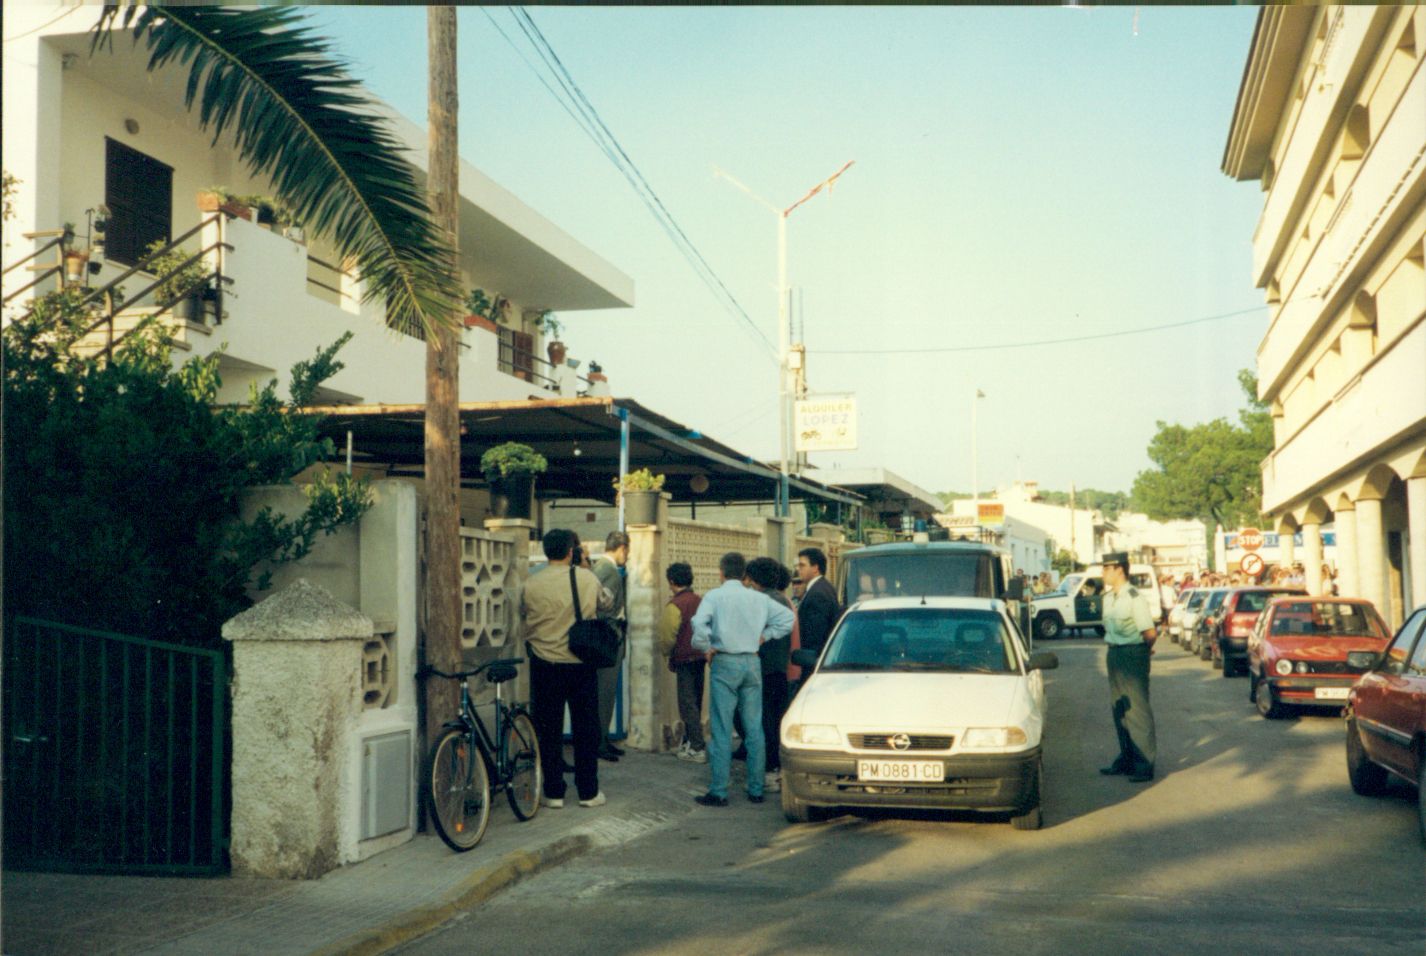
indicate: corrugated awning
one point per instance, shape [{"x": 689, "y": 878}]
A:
[{"x": 581, "y": 439}]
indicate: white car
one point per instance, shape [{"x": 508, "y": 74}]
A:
[
  {"x": 1175, "y": 618},
  {"x": 919, "y": 702}
]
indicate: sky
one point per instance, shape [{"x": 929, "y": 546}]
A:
[{"x": 1020, "y": 175}]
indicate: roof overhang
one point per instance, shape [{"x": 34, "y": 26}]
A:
[
  {"x": 515, "y": 250},
  {"x": 1268, "y": 77},
  {"x": 885, "y": 491},
  {"x": 581, "y": 438}
]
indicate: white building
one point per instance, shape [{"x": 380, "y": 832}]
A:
[
  {"x": 1172, "y": 547},
  {"x": 1080, "y": 531},
  {"x": 1331, "y": 122},
  {"x": 82, "y": 131},
  {"x": 1028, "y": 545}
]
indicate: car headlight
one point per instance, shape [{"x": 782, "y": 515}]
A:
[
  {"x": 1302, "y": 667},
  {"x": 976, "y": 737},
  {"x": 813, "y": 734},
  {"x": 1283, "y": 667}
]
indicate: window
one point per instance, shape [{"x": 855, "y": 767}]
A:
[
  {"x": 138, "y": 190},
  {"x": 1400, "y": 649},
  {"x": 912, "y": 574},
  {"x": 923, "y": 639}
]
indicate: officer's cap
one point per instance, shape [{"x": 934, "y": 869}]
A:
[{"x": 1121, "y": 558}]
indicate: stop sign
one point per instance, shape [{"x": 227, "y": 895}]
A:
[{"x": 1250, "y": 539}]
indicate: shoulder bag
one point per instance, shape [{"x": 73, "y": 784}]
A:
[{"x": 593, "y": 641}]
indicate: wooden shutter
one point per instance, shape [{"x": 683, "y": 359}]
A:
[{"x": 138, "y": 190}]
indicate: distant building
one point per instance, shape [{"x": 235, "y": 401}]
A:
[
  {"x": 1172, "y": 547},
  {"x": 1331, "y": 122},
  {"x": 1028, "y": 545},
  {"x": 1081, "y": 531}
]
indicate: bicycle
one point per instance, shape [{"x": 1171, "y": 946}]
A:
[{"x": 460, "y": 785}]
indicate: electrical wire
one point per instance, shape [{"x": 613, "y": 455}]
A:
[
  {"x": 592, "y": 124},
  {"x": 1069, "y": 340}
]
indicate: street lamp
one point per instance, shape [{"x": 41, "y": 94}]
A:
[
  {"x": 784, "y": 335},
  {"x": 975, "y": 455}
]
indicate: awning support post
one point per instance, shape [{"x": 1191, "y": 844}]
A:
[{"x": 623, "y": 459}]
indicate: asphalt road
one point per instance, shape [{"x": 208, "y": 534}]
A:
[{"x": 1249, "y": 841}]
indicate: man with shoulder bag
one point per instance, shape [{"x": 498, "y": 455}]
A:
[{"x": 556, "y": 605}]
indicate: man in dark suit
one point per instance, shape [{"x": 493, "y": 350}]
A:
[{"x": 819, "y": 610}]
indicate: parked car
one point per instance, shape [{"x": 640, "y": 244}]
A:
[
  {"x": 1078, "y": 603},
  {"x": 1386, "y": 716},
  {"x": 1188, "y": 618},
  {"x": 932, "y": 569},
  {"x": 1175, "y": 619},
  {"x": 1229, "y": 627},
  {"x": 918, "y": 702},
  {"x": 1212, "y": 602},
  {"x": 1298, "y": 652}
]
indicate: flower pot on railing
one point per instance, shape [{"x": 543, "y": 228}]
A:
[
  {"x": 481, "y": 322},
  {"x": 556, "y": 351},
  {"x": 512, "y": 496},
  {"x": 211, "y": 201},
  {"x": 76, "y": 265},
  {"x": 641, "y": 507}
]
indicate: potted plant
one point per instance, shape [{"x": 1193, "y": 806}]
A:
[
  {"x": 640, "y": 491},
  {"x": 76, "y": 260},
  {"x": 480, "y": 308},
  {"x": 218, "y": 199},
  {"x": 551, "y": 327},
  {"x": 511, "y": 469},
  {"x": 182, "y": 286}
]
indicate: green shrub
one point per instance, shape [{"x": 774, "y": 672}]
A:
[
  {"x": 511, "y": 459},
  {"x": 123, "y": 480},
  {"x": 641, "y": 480}
]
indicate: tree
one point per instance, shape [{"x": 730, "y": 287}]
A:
[
  {"x": 1064, "y": 563},
  {"x": 1112, "y": 503},
  {"x": 1210, "y": 471},
  {"x": 296, "y": 116},
  {"x": 443, "y": 590}
]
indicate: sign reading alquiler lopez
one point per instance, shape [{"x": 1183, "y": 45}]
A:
[{"x": 825, "y": 423}]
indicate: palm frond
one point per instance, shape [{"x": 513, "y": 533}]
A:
[{"x": 300, "y": 120}]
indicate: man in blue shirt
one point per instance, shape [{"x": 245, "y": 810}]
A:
[{"x": 731, "y": 623}]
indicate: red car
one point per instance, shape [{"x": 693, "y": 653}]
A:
[
  {"x": 1229, "y": 627},
  {"x": 1386, "y": 716},
  {"x": 1297, "y": 654}
]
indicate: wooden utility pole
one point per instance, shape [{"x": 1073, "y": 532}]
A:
[{"x": 443, "y": 593}]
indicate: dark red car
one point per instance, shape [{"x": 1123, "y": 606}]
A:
[
  {"x": 1230, "y": 626},
  {"x": 1297, "y": 654},
  {"x": 1386, "y": 716}
]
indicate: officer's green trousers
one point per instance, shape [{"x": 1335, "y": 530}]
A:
[{"x": 1128, "y": 666}]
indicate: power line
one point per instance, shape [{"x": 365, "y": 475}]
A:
[
  {"x": 1035, "y": 344},
  {"x": 579, "y": 108}
]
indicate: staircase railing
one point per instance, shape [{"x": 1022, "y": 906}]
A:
[{"x": 58, "y": 238}]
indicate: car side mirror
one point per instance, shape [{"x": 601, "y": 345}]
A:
[
  {"x": 1014, "y": 591},
  {"x": 805, "y": 658},
  {"x": 1362, "y": 660},
  {"x": 1042, "y": 661}
]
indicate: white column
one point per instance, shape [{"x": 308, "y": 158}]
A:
[
  {"x": 1312, "y": 561},
  {"x": 1348, "y": 580},
  {"x": 1287, "y": 548},
  {"x": 1371, "y": 556},
  {"x": 1416, "y": 538}
]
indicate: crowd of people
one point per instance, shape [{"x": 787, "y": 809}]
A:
[
  {"x": 734, "y": 643},
  {"x": 1279, "y": 575}
]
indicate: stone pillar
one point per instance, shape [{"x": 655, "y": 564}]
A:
[
  {"x": 1287, "y": 545},
  {"x": 1349, "y": 582},
  {"x": 297, "y": 661},
  {"x": 519, "y": 531},
  {"x": 1416, "y": 538},
  {"x": 1312, "y": 560},
  {"x": 651, "y": 687},
  {"x": 1371, "y": 556}
]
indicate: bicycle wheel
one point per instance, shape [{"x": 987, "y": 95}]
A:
[
  {"x": 460, "y": 790},
  {"x": 527, "y": 778}
]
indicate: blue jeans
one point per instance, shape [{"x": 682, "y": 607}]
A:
[{"x": 736, "y": 680}]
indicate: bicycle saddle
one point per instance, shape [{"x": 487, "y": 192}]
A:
[{"x": 500, "y": 673}]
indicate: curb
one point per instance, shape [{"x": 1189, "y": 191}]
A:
[{"x": 472, "y": 891}]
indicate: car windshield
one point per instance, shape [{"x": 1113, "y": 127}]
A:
[
  {"x": 918, "y": 574},
  {"x": 1195, "y": 600},
  {"x": 1141, "y": 580},
  {"x": 1070, "y": 582},
  {"x": 1326, "y": 619},
  {"x": 1215, "y": 600},
  {"x": 1252, "y": 602},
  {"x": 950, "y": 640}
]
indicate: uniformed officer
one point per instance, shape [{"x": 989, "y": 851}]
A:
[{"x": 1129, "y": 632}]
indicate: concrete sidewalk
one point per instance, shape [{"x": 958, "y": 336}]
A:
[{"x": 368, "y": 907}]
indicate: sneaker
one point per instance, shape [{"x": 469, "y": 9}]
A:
[
  {"x": 772, "y": 781},
  {"x": 709, "y": 800},
  {"x": 682, "y": 751},
  {"x": 554, "y": 803},
  {"x": 598, "y": 800},
  {"x": 693, "y": 756}
]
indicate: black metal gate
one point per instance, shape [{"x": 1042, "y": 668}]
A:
[{"x": 115, "y": 752}]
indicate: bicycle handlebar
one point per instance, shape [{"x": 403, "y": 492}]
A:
[{"x": 426, "y": 670}]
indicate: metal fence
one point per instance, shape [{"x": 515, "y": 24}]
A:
[{"x": 116, "y": 757}]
